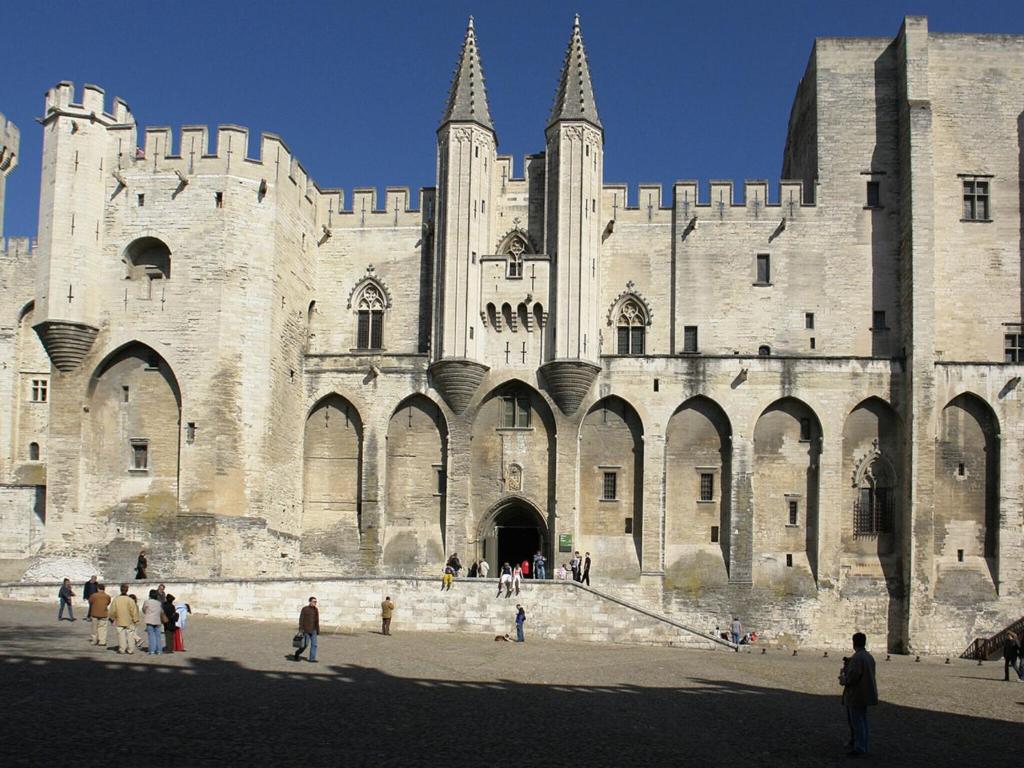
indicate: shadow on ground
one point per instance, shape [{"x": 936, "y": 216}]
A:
[{"x": 104, "y": 710}]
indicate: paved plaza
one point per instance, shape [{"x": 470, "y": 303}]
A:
[{"x": 465, "y": 700}]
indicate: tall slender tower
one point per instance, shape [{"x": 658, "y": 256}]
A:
[
  {"x": 9, "y": 141},
  {"x": 466, "y": 153},
  {"x": 575, "y": 172}
]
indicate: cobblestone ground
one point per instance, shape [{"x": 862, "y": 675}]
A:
[{"x": 464, "y": 700}]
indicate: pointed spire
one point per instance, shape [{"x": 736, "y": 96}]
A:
[
  {"x": 467, "y": 99},
  {"x": 574, "y": 99}
]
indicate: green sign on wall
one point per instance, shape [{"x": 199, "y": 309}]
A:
[{"x": 565, "y": 542}]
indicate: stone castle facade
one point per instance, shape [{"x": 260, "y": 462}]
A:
[{"x": 803, "y": 408}]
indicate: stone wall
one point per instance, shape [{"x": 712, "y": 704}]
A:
[{"x": 557, "y": 611}]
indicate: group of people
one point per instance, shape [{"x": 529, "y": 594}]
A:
[
  {"x": 510, "y": 576},
  {"x": 165, "y": 622}
]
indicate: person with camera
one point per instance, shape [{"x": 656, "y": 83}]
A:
[{"x": 860, "y": 691}]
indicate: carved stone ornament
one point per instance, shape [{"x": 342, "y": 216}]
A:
[
  {"x": 871, "y": 467},
  {"x": 514, "y": 478},
  {"x": 367, "y": 283},
  {"x": 620, "y": 304},
  {"x": 463, "y": 134}
]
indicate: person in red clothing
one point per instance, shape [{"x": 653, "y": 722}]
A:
[{"x": 526, "y": 569}]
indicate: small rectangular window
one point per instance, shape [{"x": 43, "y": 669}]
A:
[
  {"x": 656, "y": 385},
  {"x": 805, "y": 428},
  {"x": 976, "y": 200},
  {"x": 40, "y": 390},
  {"x": 809, "y": 321},
  {"x": 794, "y": 512},
  {"x": 124, "y": 394},
  {"x": 878, "y": 320},
  {"x": 812, "y": 343},
  {"x": 690, "y": 338},
  {"x": 959, "y": 555},
  {"x": 218, "y": 199},
  {"x": 714, "y": 534},
  {"x": 629, "y": 525},
  {"x": 608, "y": 488},
  {"x": 1014, "y": 347},
  {"x": 142, "y": 200},
  {"x": 873, "y": 195},
  {"x": 515, "y": 412},
  {"x": 961, "y": 470},
  {"x": 707, "y": 486},
  {"x": 764, "y": 269},
  {"x": 140, "y": 454},
  {"x": 789, "y": 561},
  {"x": 440, "y": 481}
]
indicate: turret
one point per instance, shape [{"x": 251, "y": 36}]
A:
[
  {"x": 575, "y": 172},
  {"x": 9, "y": 141},
  {"x": 84, "y": 147},
  {"x": 466, "y": 158}
]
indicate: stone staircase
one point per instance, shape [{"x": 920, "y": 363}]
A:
[{"x": 985, "y": 648}]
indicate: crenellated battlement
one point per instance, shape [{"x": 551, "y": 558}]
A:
[
  {"x": 718, "y": 201},
  {"x": 61, "y": 100},
  {"x": 17, "y": 248}
]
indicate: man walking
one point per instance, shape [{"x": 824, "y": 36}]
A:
[
  {"x": 309, "y": 626},
  {"x": 125, "y": 615},
  {"x": 98, "y": 604},
  {"x": 65, "y": 596},
  {"x": 860, "y": 691},
  {"x": 586, "y": 570},
  {"x": 387, "y": 608},
  {"x": 1011, "y": 655}
]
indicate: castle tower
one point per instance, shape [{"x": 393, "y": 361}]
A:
[
  {"x": 81, "y": 161},
  {"x": 9, "y": 141},
  {"x": 575, "y": 172},
  {"x": 466, "y": 154}
]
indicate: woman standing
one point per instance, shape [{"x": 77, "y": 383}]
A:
[
  {"x": 170, "y": 618},
  {"x": 520, "y": 620},
  {"x": 140, "y": 566},
  {"x": 517, "y": 577}
]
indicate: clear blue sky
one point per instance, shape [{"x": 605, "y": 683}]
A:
[{"x": 685, "y": 90}]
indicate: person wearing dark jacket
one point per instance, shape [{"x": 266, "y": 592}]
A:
[
  {"x": 860, "y": 691},
  {"x": 140, "y": 566},
  {"x": 170, "y": 623},
  {"x": 309, "y": 626},
  {"x": 65, "y": 594},
  {"x": 1012, "y": 657},
  {"x": 87, "y": 591}
]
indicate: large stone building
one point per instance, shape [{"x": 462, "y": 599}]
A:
[{"x": 804, "y": 406}]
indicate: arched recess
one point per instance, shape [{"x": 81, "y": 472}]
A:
[
  {"x": 871, "y": 519},
  {"x": 28, "y": 410},
  {"x": 332, "y": 477},
  {"x": 513, "y": 530},
  {"x": 416, "y": 472},
  {"x": 147, "y": 261},
  {"x": 787, "y": 449},
  {"x": 132, "y": 434},
  {"x": 967, "y": 482},
  {"x": 611, "y": 462},
  {"x": 512, "y": 455},
  {"x": 698, "y": 478}
]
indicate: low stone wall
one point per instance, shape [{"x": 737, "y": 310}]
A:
[{"x": 554, "y": 609}]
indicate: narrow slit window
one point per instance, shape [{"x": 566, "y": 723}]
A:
[
  {"x": 805, "y": 428},
  {"x": 873, "y": 195},
  {"x": 690, "y": 339},
  {"x": 809, "y": 321},
  {"x": 714, "y": 534},
  {"x": 764, "y": 269},
  {"x": 794, "y": 512}
]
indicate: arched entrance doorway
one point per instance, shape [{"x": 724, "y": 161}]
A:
[{"x": 513, "y": 532}]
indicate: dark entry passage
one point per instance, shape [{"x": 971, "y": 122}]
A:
[{"x": 519, "y": 536}]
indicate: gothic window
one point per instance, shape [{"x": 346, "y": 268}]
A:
[
  {"x": 874, "y": 506},
  {"x": 515, "y": 258},
  {"x": 632, "y": 328},
  {"x": 370, "y": 311}
]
